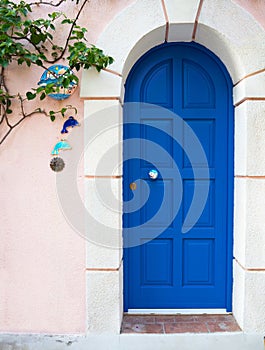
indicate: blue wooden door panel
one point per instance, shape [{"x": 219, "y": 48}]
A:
[{"x": 175, "y": 269}]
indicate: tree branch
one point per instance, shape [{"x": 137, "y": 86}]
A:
[
  {"x": 36, "y": 54},
  {"x": 2, "y": 82},
  {"x": 70, "y": 32},
  {"x": 47, "y": 3},
  {"x": 24, "y": 116}
]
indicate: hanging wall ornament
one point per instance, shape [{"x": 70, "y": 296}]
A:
[
  {"x": 70, "y": 122},
  {"x": 57, "y": 164},
  {"x": 51, "y": 75},
  {"x": 60, "y": 146}
]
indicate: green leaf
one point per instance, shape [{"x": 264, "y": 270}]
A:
[
  {"x": 49, "y": 35},
  {"x": 35, "y": 38},
  {"x": 75, "y": 78},
  {"x": 4, "y": 63},
  {"x": 79, "y": 35},
  {"x": 5, "y": 27},
  {"x": 52, "y": 115},
  {"x": 39, "y": 63},
  {"x": 66, "y": 82},
  {"x": 30, "y": 95},
  {"x": 67, "y": 21},
  {"x": 42, "y": 96},
  {"x": 9, "y": 111},
  {"x": 21, "y": 35},
  {"x": 63, "y": 110},
  {"x": 39, "y": 89}
]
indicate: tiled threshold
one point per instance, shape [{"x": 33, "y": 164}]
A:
[{"x": 168, "y": 324}]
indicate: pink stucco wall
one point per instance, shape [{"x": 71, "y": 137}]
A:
[
  {"x": 255, "y": 7},
  {"x": 42, "y": 260}
]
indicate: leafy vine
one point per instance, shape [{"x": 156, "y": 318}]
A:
[{"x": 27, "y": 41}]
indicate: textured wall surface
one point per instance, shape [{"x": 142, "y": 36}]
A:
[
  {"x": 42, "y": 259},
  {"x": 255, "y": 7}
]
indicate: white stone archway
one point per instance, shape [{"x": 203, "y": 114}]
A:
[{"x": 234, "y": 36}]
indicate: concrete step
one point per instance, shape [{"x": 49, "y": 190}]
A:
[{"x": 187, "y": 341}]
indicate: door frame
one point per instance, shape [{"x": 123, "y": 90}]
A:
[
  {"x": 126, "y": 38},
  {"x": 230, "y": 177}
]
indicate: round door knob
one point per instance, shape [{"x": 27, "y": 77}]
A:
[{"x": 153, "y": 174}]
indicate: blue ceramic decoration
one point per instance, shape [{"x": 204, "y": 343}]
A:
[
  {"x": 70, "y": 122},
  {"x": 52, "y": 75},
  {"x": 61, "y": 145}
]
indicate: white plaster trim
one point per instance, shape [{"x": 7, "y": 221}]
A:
[
  {"x": 178, "y": 311},
  {"x": 241, "y": 40},
  {"x": 104, "y": 302},
  {"x": 181, "y": 17},
  {"x": 250, "y": 139},
  {"x": 229, "y": 32},
  {"x": 249, "y": 301},
  {"x": 105, "y": 119},
  {"x": 254, "y": 192},
  {"x": 131, "y": 26},
  {"x": 100, "y": 84},
  {"x": 253, "y": 86},
  {"x": 181, "y": 11}
]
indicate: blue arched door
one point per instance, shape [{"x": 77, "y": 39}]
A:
[{"x": 180, "y": 123}]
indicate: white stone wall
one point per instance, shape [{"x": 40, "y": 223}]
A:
[
  {"x": 234, "y": 36},
  {"x": 103, "y": 261}
]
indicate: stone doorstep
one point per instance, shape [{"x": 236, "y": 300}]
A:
[
  {"x": 168, "y": 324},
  {"x": 191, "y": 341}
]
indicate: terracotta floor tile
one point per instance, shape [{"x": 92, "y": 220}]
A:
[
  {"x": 179, "y": 324},
  {"x": 186, "y": 327},
  {"x": 215, "y": 318},
  {"x": 138, "y": 319},
  {"x": 164, "y": 318},
  {"x": 223, "y": 327},
  {"x": 185, "y": 318},
  {"x": 143, "y": 328}
]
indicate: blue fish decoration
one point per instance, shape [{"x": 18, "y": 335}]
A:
[
  {"x": 70, "y": 122},
  {"x": 61, "y": 145}
]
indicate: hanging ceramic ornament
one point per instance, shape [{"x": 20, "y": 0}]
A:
[
  {"x": 60, "y": 146},
  {"x": 53, "y": 75},
  {"x": 70, "y": 122},
  {"x": 57, "y": 164}
]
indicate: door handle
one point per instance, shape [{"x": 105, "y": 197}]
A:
[{"x": 153, "y": 174}]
